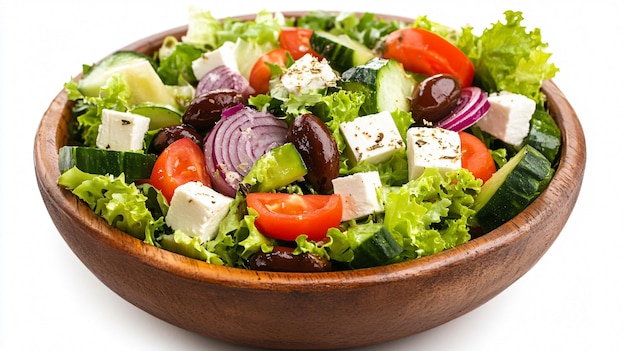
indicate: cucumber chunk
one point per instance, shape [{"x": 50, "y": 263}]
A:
[
  {"x": 160, "y": 116},
  {"x": 512, "y": 188},
  {"x": 385, "y": 83},
  {"x": 137, "y": 70},
  {"x": 376, "y": 250},
  {"x": 341, "y": 51},
  {"x": 544, "y": 135},
  {"x": 134, "y": 165},
  {"x": 277, "y": 168}
]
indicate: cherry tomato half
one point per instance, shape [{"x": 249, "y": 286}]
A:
[
  {"x": 260, "y": 74},
  {"x": 476, "y": 157},
  {"x": 180, "y": 162},
  {"x": 286, "y": 216},
  {"x": 425, "y": 52},
  {"x": 297, "y": 41}
]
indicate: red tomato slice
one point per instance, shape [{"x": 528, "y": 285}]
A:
[
  {"x": 286, "y": 216},
  {"x": 476, "y": 157},
  {"x": 260, "y": 74},
  {"x": 180, "y": 162},
  {"x": 425, "y": 52},
  {"x": 297, "y": 41}
]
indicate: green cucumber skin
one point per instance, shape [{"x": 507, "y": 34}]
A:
[
  {"x": 377, "y": 250},
  {"x": 160, "y": 116},
  {"x": 134, "y": 165},
  {"x": 288, "y": 167},
  {"x": 385, "y": 84},
  {"x": 544, "y": 135},
  {"x": 340, "y": 56},
  {"x": 521, "y": 185},
  {"x": 89, "y": 85}
]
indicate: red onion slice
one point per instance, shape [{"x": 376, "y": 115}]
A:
[
  {"x": 471, "y": 107},
  {"x": 236, "y": 142},
  {"x": 224, "y": 77}
]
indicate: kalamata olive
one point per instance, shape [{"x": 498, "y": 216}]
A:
[
  {"x": 205, "y": 110},
  {"x": 282, "y": 259},
  {"x": 318, "y": 149},
  {"x": 168, "y": 135},
  {"x": 434, "y": 98}
]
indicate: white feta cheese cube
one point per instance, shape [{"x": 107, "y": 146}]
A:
[
  {"x": 197, "y": 210},
  {"x": 432, "y": 148},
  {"x": 373, "y": 138},
  {"x": 122, "y": 131},
  {"x": 308, "y": 74},
  {"x": 222, "y": 56},
  {"x": 360, "y": 194},
  {"x": 508, "y": 118}
]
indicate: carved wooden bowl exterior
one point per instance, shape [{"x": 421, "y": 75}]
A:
[{"x": 309, "y": 311}]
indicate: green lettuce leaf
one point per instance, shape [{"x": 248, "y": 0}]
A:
[
  {"x": 208, "y": 33},
  {"x": 114, "y": 95},
  {"x": 431, "y": 213},
  {"x": 366, "y": 28},
  {"x": 508, "y": 57},
  {"x": 202, "y": 29},
  {"x": 122, "y": 205},
  {"x": 336, "y": 108},
  {"x": 175, "y": 60}
]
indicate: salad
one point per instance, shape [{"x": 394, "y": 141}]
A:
[{"x": 324, "y": 142}]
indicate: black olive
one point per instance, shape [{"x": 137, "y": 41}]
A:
[
  {"x": 311, "y": 137},
  {"x": 282, "y": 259},
  {"x": 434, "y": 98},
  {"x": 168, "y": 135},
  {"x": 205, "y": 110}
]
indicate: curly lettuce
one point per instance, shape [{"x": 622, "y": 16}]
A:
[
  {"x": 206, "y": 32},
  {"x": 114, "y": 95},
  {"x": 508, "y": 57},
  {"x": 425, "y": 216},
  {"x": 431, "y": 213},
  {"x": 175, "y": 62},
  {"x": 122, "y": 205},
  {"x": 367, "y": 28}
]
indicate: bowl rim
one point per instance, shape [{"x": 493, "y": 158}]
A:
[{"x": 571, "y": 162}]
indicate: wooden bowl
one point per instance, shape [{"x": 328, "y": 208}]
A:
[{"x": 309, "y": 311}]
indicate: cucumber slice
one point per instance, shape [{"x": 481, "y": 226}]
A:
[
  {"x": 277, "y": 168},
  {"x": 544, "y": 135},
  {"x": 160, "y": 116},
  {"x": 137, "y": 70},
  {"x": 341, "y": 51},
  {"x": 376, "y": 250},
  {"x": 385, "y": 83},
  {"x": 512, "y": 188},
  {"x": 98, "y": 74},
  {"x": 134, "y": 165}
]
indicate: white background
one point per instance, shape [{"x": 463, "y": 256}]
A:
[{"x": 573, "y": 299}]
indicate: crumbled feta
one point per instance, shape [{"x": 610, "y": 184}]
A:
[
  {"x": 308, "y": 74},
  {"x": 121, "y": 131},
  {"x": 373, "y": 138},
  {"x": 360, "y": 194},
  {"x": 197, "y": 210},
  {"x": 223, "y": 56},
  {"x": 508, "y": 118},
  {"x": 432, "y": 148}
]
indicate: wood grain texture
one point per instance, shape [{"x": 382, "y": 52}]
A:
[{"x": 309, "y": 311}]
